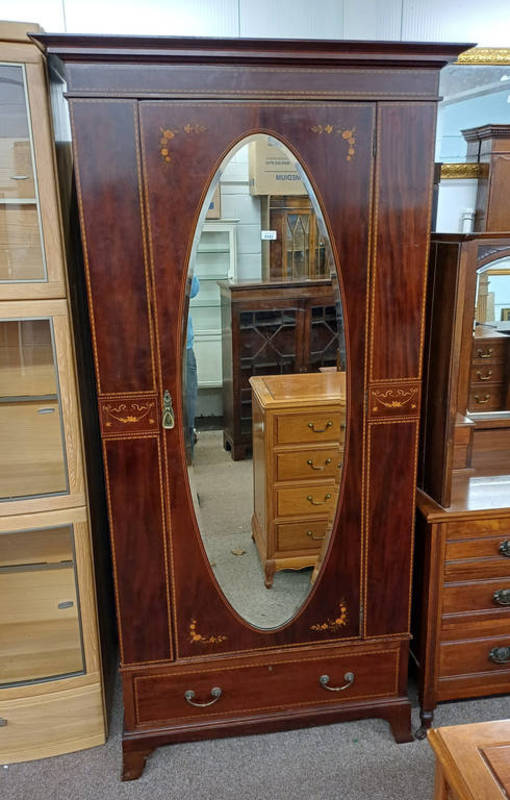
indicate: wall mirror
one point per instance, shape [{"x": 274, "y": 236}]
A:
[{"x": 261, "y": 231}]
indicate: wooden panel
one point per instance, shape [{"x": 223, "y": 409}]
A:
[
  {"x": 390, "y": 521},
  {"x": 486, "y": 548},
  {"x": 284, "y": 684},
  {"x": 404, "y": 186},
  {"x": 312, "y": 498},
  {"x": 474, "y": 596},
  {"x": 113, "y": 243},
  {"x": 498, "y": 209},
  {"x": 469, "y": 657},
  {"x": 137, "y": 530},
  {"x": 21, "y": 257},
  {"x": 60, "y": 722},
  {"x": 314, "y": 426},
  {"x": 301, "y": 535},
  {"x": 466, "y": 528},
  {"x": 315, "y": 462}
]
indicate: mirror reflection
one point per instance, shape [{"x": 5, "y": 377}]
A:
[
  {"x": 264, "y": 390},
  {"x": 490, "y": 385}
]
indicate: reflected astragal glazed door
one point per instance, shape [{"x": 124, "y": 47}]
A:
[{"x": 183, "y": 147}]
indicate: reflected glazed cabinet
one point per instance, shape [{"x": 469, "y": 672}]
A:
[{"x": 168, "y": 111}]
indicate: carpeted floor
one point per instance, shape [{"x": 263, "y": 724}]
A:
[{"x": 349, "y": 761}]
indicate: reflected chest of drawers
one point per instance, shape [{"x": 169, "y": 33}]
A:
[
  {"x": 489, "y": 371},
  {"x": 462, "y": 640},
  {"x": 298, "y": 437}
]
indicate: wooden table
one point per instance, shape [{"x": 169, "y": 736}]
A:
[{"x": 472, "y": 761}]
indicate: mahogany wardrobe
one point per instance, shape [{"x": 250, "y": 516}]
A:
[{"x": 153, "y": 119}]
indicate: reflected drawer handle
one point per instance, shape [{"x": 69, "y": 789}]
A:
[
  {"x": 348, "y": 677},
  {"x": 485, "y": 353},
  {"x": 480, "y": 402},
  {"x": 311, "y": 425},
  {"x": 45, "y": 410},
  {"x": 310, "y": 463},
  {"x": 3, "y": 722},
  {"x": 66, "y": 604},
  {"x": 318, "y": 502},
  {"x": 484, "y": 377},
  {"x": 502, "y": 597},
  {"x": 315, "y": 538},
  {"x": 504, "y": 548},
  {"x": 499, "y": 655},
  {"x": 20, "y": 177},
  {"x": 215, "y": 694}
]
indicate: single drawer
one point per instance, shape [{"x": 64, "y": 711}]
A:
[
  {"x": 302, "y": 535},
  {"x": 307, "y": 500},
  {"x": 493, "y": 595},
  {"x": 475, "y": 656},
  {"x": 268, "y": 687},
  {"x": 492, "y": 373},
  {"x": 477, "y": 558},
  {"x": 310, "y": 463},
  {"x": 320, "y": 426},
  {"x": 486, "y": 397},
  {"x": 467, "y": 528},
  {"x": 488, "y": 352}
]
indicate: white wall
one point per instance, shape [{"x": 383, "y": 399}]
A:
[
  {"x": 487, "y": 23},
  {"x": 455, "y": 197},
  {"x": 237, "y": 203}
]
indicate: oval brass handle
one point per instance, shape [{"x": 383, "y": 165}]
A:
[
  {"x": 318, "y": 502},
  {"x": 3, "y": 722},
  {"x": 310, "y": 463},
  {"x": 215, "y": 694},
  {"x": 168, "y": 419},
  {"x": 484, "y": 377},
  {"x": 485, "y": 353},
  {"x": 479, "y": 401},
  {"x": 348, "y": 677},
  {"x": 499, "y": 655},
  {"x": 502, "y": 597},
  {"x": 315, "y": 538},
  {"x": 311, "y": 425},
  {"x": 504, "y": 548}
]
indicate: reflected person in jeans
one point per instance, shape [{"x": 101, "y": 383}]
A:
[{"x": 191, "y": 379}]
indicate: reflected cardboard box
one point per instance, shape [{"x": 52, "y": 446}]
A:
[{"x": 271, "y": 172}]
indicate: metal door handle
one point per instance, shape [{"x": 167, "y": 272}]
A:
[
  {"x": 318, "y": 502},
  {"x": 502, "y": 597},
  {"x": 499, "y": 655},
  {"x": 485, "y": 353},
  {"x": 168, "y": 419},
  {"x": 348, "y": 677},
  {"x": 504, "y": 548},
  {"x": 189, "y": 695},
  {"x": 311, "y": 425},
  {"x": 310, "y": 463}
]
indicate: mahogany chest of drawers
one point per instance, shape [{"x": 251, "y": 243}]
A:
[{"x": 298, "y": 438}]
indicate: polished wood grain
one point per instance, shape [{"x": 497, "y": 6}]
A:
[{"x": 489, "y": 146}]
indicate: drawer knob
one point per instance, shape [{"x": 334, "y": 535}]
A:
[
  {"x": 189, "y": 695},
  {"x": 316, "y": 538},
  {"x": 3, "y": 722},
  {"x": 504, "y": 548},
  {"x": 486, "y": 377},
  {"x": 348, "y": 678},
  {"x": 311, "y": 425},
  {"x": 502, "y": 597},
  {"x": 499, "y": 655},
  {"x": 481, "y": 400},
  {"x": 318, "y": 502},
  {"x": 485, "y": 353},
  {"x": 310, "y": 463}
]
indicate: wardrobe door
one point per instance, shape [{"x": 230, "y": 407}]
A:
[{"x": 184, "y": 144}]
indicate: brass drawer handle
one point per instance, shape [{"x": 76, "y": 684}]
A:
[
  {"x": 318, "y": 502},
  {"x": 19, "y": 177},
  {"x": 315, "y": 538},
  {"x": 311, "y": 425},
  {"x": 215, "y": 694},
  {"x": 3, "y": 722},
  {"x": 479, "y": 401},
  {"x": 499, "y": 655},
  {"x": 348, "y": 677},
  {"x": 485, "y": 353},
  {"x": 310, "y": 463},
  {"x": 168, "y": 419},
  {"x": 504, "y": 548},
  {"x": 502, "y": 597},
  {"x": 484, "y": 377}
]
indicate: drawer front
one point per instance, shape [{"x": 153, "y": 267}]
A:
[
  {"x": 312, "y": 427},
  {"x": 272, "y": 686},
  {"x": 307, "y": 500},
  {"x": 488, "y": 352},
  {"x": 468, "y": 528},
  {"x": 492, "y": 373},
  {"x": 302, "y": 535},
  {"x": 47, "y": 725},
  {"x": 474, "y": 656},
  {"x": 310, "y": 463},
  {"x": 491, "y": 595},
  {"x": 486, "y": 397},
  {"x": 477, "y": 558}
]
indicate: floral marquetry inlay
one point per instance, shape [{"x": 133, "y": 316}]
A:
[
  {"x": 335, "y": 624},
  {"x": 168, "y": 134},
  {"x": 394, "y": 400},
  {"x": 348, "y": 134},
  {"x": 199, "y": 638},
  {"x": 128, "y": 414}
]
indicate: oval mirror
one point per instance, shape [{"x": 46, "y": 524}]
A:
[
  {"x": 489, "y": 387},
  {"x": 264, "y": 393}
]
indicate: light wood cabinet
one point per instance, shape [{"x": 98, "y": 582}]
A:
[{"x": 51, "y": 684}]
